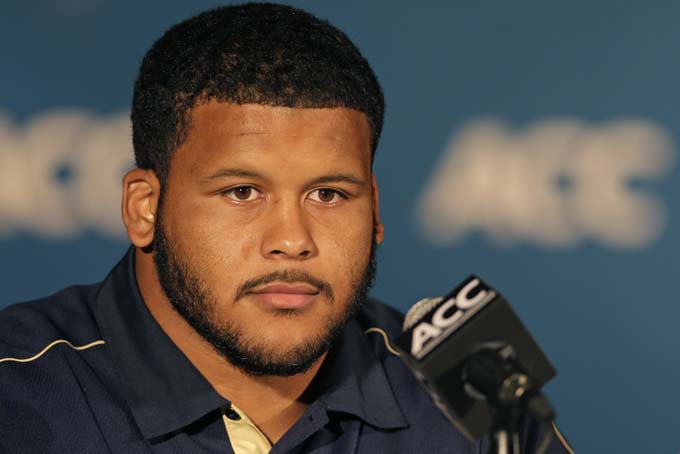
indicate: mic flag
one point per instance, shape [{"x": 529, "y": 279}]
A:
[{"x": 441, "y": 334}]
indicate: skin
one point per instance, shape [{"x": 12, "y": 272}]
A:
[{"x": 253, "y": 190}]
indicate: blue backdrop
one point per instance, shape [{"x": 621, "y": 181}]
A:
[{"x": 530, "y": 143}]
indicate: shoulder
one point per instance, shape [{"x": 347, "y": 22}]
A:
[
  {"x": 64, "y": 317},
  {"x": 381, "y": 324},
  {"x": 55, "y": 374},
  {"x": 427, "y": 427},
  {"x": 378, "y": 314}
]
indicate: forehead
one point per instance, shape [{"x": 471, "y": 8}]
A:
[{"x": 220, "y": 130}]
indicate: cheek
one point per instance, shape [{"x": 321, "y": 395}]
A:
[
  {"x": 349, "y": 243},
  {"x": 213, "y": 246},
  {"x": 210, "y": 219},
  {"x": 230, "y": 240}
]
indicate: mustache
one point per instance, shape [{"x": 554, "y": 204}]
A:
[{"x": 288, "y": 276}]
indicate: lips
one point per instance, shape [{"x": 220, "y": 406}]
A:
[{"x": 285, "y": 296}]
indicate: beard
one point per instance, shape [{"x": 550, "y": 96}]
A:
[{"x": 192, "y": 299}]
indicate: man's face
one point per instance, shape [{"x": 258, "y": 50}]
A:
[{"x": 265, "y": 236}]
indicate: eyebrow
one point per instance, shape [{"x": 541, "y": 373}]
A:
[
  {"x": 232, "y": 172},
  {"x": 338, "y": 178},
  {"x": 333, "y": 178}
]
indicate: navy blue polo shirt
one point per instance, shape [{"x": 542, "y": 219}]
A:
[{"x": 88, "y": 370}]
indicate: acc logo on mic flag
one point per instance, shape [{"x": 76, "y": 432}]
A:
[
  {"x": 554, "y": 185},
  {"x": 448, "y": 316}
]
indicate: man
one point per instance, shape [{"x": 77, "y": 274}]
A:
[{"x": 238, "y": 319}]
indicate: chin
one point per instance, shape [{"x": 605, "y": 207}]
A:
[{"x": 283, "y": 338}]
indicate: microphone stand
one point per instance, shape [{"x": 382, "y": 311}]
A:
[
  {"x": 492, "y": 374},
  {"x": 504, "y": 431}
]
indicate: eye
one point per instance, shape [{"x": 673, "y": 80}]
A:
[
  {"x": 242, "y": 193},
  {"x": 326, "y": 195}
]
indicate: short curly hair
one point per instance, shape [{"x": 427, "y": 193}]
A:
[{"x": 255, "y": 53}]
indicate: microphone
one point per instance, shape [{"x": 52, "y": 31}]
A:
[{"x": 477, "y": 361}]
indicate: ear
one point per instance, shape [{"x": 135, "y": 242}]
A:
[
  {"x": 141, "y": 191},
  {"x": 379, "y": 228}
]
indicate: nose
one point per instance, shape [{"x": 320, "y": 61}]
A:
[{"x": 287, "y": 234}]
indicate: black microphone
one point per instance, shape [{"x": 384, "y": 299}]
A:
[{"x": 476, "y": 359}]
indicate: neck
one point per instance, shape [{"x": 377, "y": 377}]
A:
[{"x": 274, "y": 404}]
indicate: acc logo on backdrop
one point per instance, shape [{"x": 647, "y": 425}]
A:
[
  {"x": 61, "y": 174},
  {"x": 555, "y": 184}
]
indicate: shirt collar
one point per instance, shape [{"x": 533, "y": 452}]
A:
[{"x": 166, "y": 392}]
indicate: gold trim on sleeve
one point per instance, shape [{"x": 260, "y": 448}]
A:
[
  {"x": 384, "y": 336},
  {"x": 563, "y": 440},
  {"x": 52, "y": 344}
]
